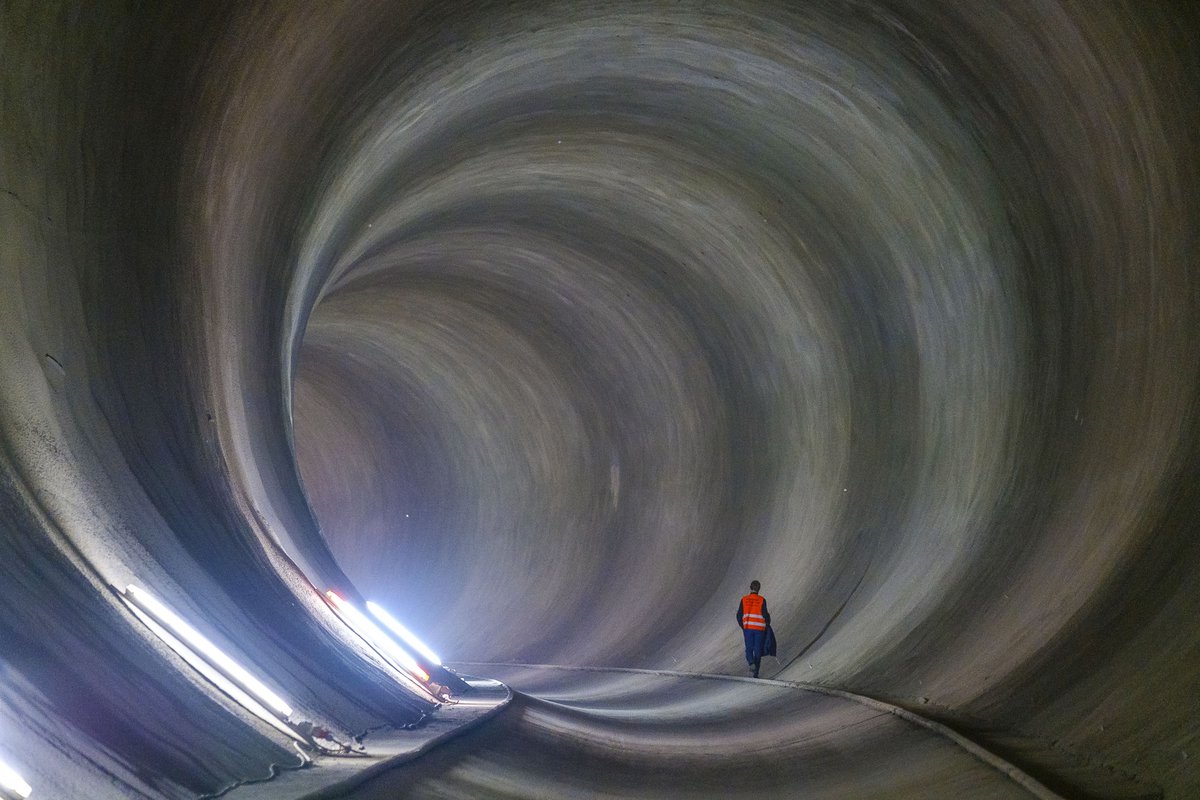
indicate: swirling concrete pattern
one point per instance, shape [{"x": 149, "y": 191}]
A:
[
  {"x": 671, "y": 736},
  {"x": 550, "y": 325}
]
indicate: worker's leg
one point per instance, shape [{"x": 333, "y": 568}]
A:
[{"x": 754, "y": 648}]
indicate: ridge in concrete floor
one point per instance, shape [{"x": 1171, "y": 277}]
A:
[{"x": 334, "y": 776}]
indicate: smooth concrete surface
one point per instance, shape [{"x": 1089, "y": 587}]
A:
[
  {"x": 609, "y": 733},
  {"x": 549, "y": 325},
  {"x": 381, "y": 750}
]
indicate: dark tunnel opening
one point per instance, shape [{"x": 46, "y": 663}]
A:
[{"x": 548, "y": 326}]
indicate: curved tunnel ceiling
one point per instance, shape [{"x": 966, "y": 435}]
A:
[{"x": 551, "y": 325}]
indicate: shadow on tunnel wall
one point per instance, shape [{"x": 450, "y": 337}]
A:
[{"x": 551, "y": 325}]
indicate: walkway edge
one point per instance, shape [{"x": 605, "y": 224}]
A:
[
  {"x": 343, "y": 788},
  {"x": 1012, "y": 771}
]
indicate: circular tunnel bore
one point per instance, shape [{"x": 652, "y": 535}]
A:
[{"x": 551, "y": 325}]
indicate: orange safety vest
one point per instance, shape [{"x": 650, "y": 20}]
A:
[{"x": 752, "y": 616}]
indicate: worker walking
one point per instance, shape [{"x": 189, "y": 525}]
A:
[{"x": 754, "y": 619}]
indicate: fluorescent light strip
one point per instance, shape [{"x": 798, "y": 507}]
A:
[
  {"x": 402, "y": 674},
  {"x": 404, "y": 633},
  {"x": 197, "y": 662},
  {"x": 210, "y": 651},
  {"x": 375, "y": 637},
  {"x": 13, "y": 783}
]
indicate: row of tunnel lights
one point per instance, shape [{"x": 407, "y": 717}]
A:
[{"x": 243, "y": 687}]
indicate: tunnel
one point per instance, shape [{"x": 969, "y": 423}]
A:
[{"x": 549, "y": 325}]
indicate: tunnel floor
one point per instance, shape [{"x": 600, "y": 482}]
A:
[{"x": 596, "y": 733}]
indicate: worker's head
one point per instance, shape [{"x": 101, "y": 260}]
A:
[{"x": 755, "y": 586}]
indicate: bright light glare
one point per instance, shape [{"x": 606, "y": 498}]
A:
[
  {"x": 404, "y": 633},
  {"x": 213, "y": 674},
  {"x": 207, "y": 649},
  {"x": 11, "y": 782},
  {"x": 376, "y": 637}
]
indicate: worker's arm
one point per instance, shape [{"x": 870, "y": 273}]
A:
[
  {"x": 739, "y": 613},
  {"x": 766, "y": 614}
]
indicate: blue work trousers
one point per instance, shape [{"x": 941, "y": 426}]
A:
[{"x": 755, "y": 642}]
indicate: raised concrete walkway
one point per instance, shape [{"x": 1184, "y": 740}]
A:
[
  {"x": 516, "y": 674},
  {"x": 334, "y": 776},
  {"x": 576, "y": 731}
]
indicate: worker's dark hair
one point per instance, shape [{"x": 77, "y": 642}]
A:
[{"x": 755, "y": 586}]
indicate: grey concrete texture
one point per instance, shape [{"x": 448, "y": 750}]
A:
[
  {"x": 550, "y": 325},
  {"x": 381, "y": 751},
  {"x": 584, "y": 733}
]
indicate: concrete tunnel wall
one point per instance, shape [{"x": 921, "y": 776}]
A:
[{"x": 551, "y": 325}]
